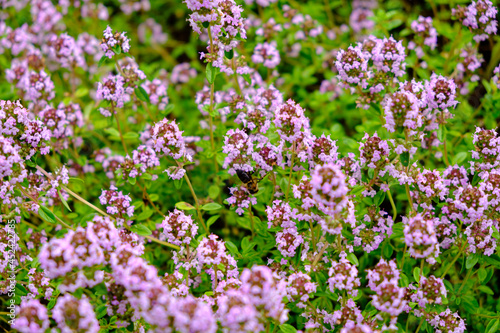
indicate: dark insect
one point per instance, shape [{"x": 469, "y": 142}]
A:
[{"x": 249, "y": 181}]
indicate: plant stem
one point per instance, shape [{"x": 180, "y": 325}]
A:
[
  {"x": 419, "y": 325},
  {"x": 312, "y": 236},
  {"x": 318, "y": 256},
  {"x": 451, "y": 263},
  {"x": 291, "y": 171},
  {"x": 175, "y": 247},
  {"x": 103, "y": 213},
  {"x": 210, "y": 118},
  {"x": 197, "y": 204},
  {"x": 146, "y": 196},
  {"x": 403, "y": 260},
  {"x": 410, "y": 200},
  {"x": 467, "y": 276},
  {"x": 251, "y": 219},
  {"x": 393, "y": 205},
  {"x": 119, "y": 128},
  {"x": 235, "y": 75}
]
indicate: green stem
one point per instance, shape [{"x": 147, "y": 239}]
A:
[
  {"x": 393, "y": 205},
  {"x": 467, "y": 276},
  {"x": 291, "y": 171},
  {"x": 410, "y": 200},
  {"x": 119, "y": 128},
  {"x": 251, "y": 219},
  {"x": 451, "y": 263},
  {"x": 420, "y": 324},
  {"x": 210, "y": 118},
  {"x": 312, "y": 236},
  {"x": 196, "y": 202},
  {"x": 403, "y": 260},
  {"x": 318, "y": 256},
  {"x": 101, "y": 212}
]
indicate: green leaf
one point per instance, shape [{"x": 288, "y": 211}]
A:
[
  {"x": 103, "y": 60},
  {"x": 404, "y": 280},
  {"x": 286, "y": 328},
  {"x": 178, "y": 183},
  {"x": 212, "y": 220},
  {"x": 482, "y": 274},
  {"x": 211, "y": 73},
  {"x": 353, "y": 259},
  {"x": 405, "y": 158},
  {"x": 213, "y": 191},
  {"x": 20, "y": 290},
  {"x": 416, "y": 274},
  {"x": 493, "y": 326},
  {"x": 100, "y": 289},
  {"x": 205, "y": 24},
  {"x": 47, "y": 214},
  {"x": 379, "y": 198},
  {"x": 441, "y": 133},
  {"x": 229, "y": 54},
  {"x": 141, "y": 94},
  {"x": 146, "y": 176},
  {"x": 146, "y": 214},
  {"x": 65, "y": 203},
  {"x": 247, "y": 78},
  {"x": 132, "y": 181},
  {"x": 141, "y": 230},
  {"x": 232, "y": 248},
  {"x": 459, "y": 158},
  {"x": 112, "y": 132},
  {"x": 168, "y": 109},
  {"x": 211, "y": 206},
  {"x": 471, "y": 260},
  {"x": 73, "y": 179},
  {"x": 486, "y": 290},
  {"x": 130, "y": 135},
  {"x": 184, "y": 206},
  {"x": 51, "y": 303},
  {"x": 100, "y": 311}
]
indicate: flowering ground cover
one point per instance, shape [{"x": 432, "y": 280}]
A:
[{"x": 249, "y": 166}]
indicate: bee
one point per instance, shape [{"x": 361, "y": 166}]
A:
[{"x": 251, "y": 183}]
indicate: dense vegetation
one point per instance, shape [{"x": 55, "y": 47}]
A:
[{"x": 268, "y": 165}]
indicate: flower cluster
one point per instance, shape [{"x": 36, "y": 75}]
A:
[
  {"x": 114, "y": 43},
  {"x": 161, "y": 189}
]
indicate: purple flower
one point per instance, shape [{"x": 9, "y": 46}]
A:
[
  {"x": 266, "y": 291},
  {"x": 182, "y": 73},
  {"x": 424, "y": 29},
  {"x": 479, "y": 17},
  {"x": 329, "y": 189},
  {"x": 31, "y": 316},
  {"x": 389, "y": 298},
  {"x": 420, "y": 237},
  {"x": 237, "y": 313},
  {"x": 72, "y": 314},
  {"x": 402, "y": 110},
  {"x": 299, "y": 288},
  {"x": 266, "y": 54},
  {"x": 178, "y": 228},
  {"x": 168, "y": 139},
  {"x": 192, "y": 316},
  {"x": 352, "y": 65},
  {"x": 111, "y": 41},
  {"x": 430, "y": 291},
  {"x": 447, "y": 321},
  {"x": 343, "y": 276},
  {"x": 389, "y": 56},
  {"x": 117, "y": 203},
  {"x": 290, "y": 121}
]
